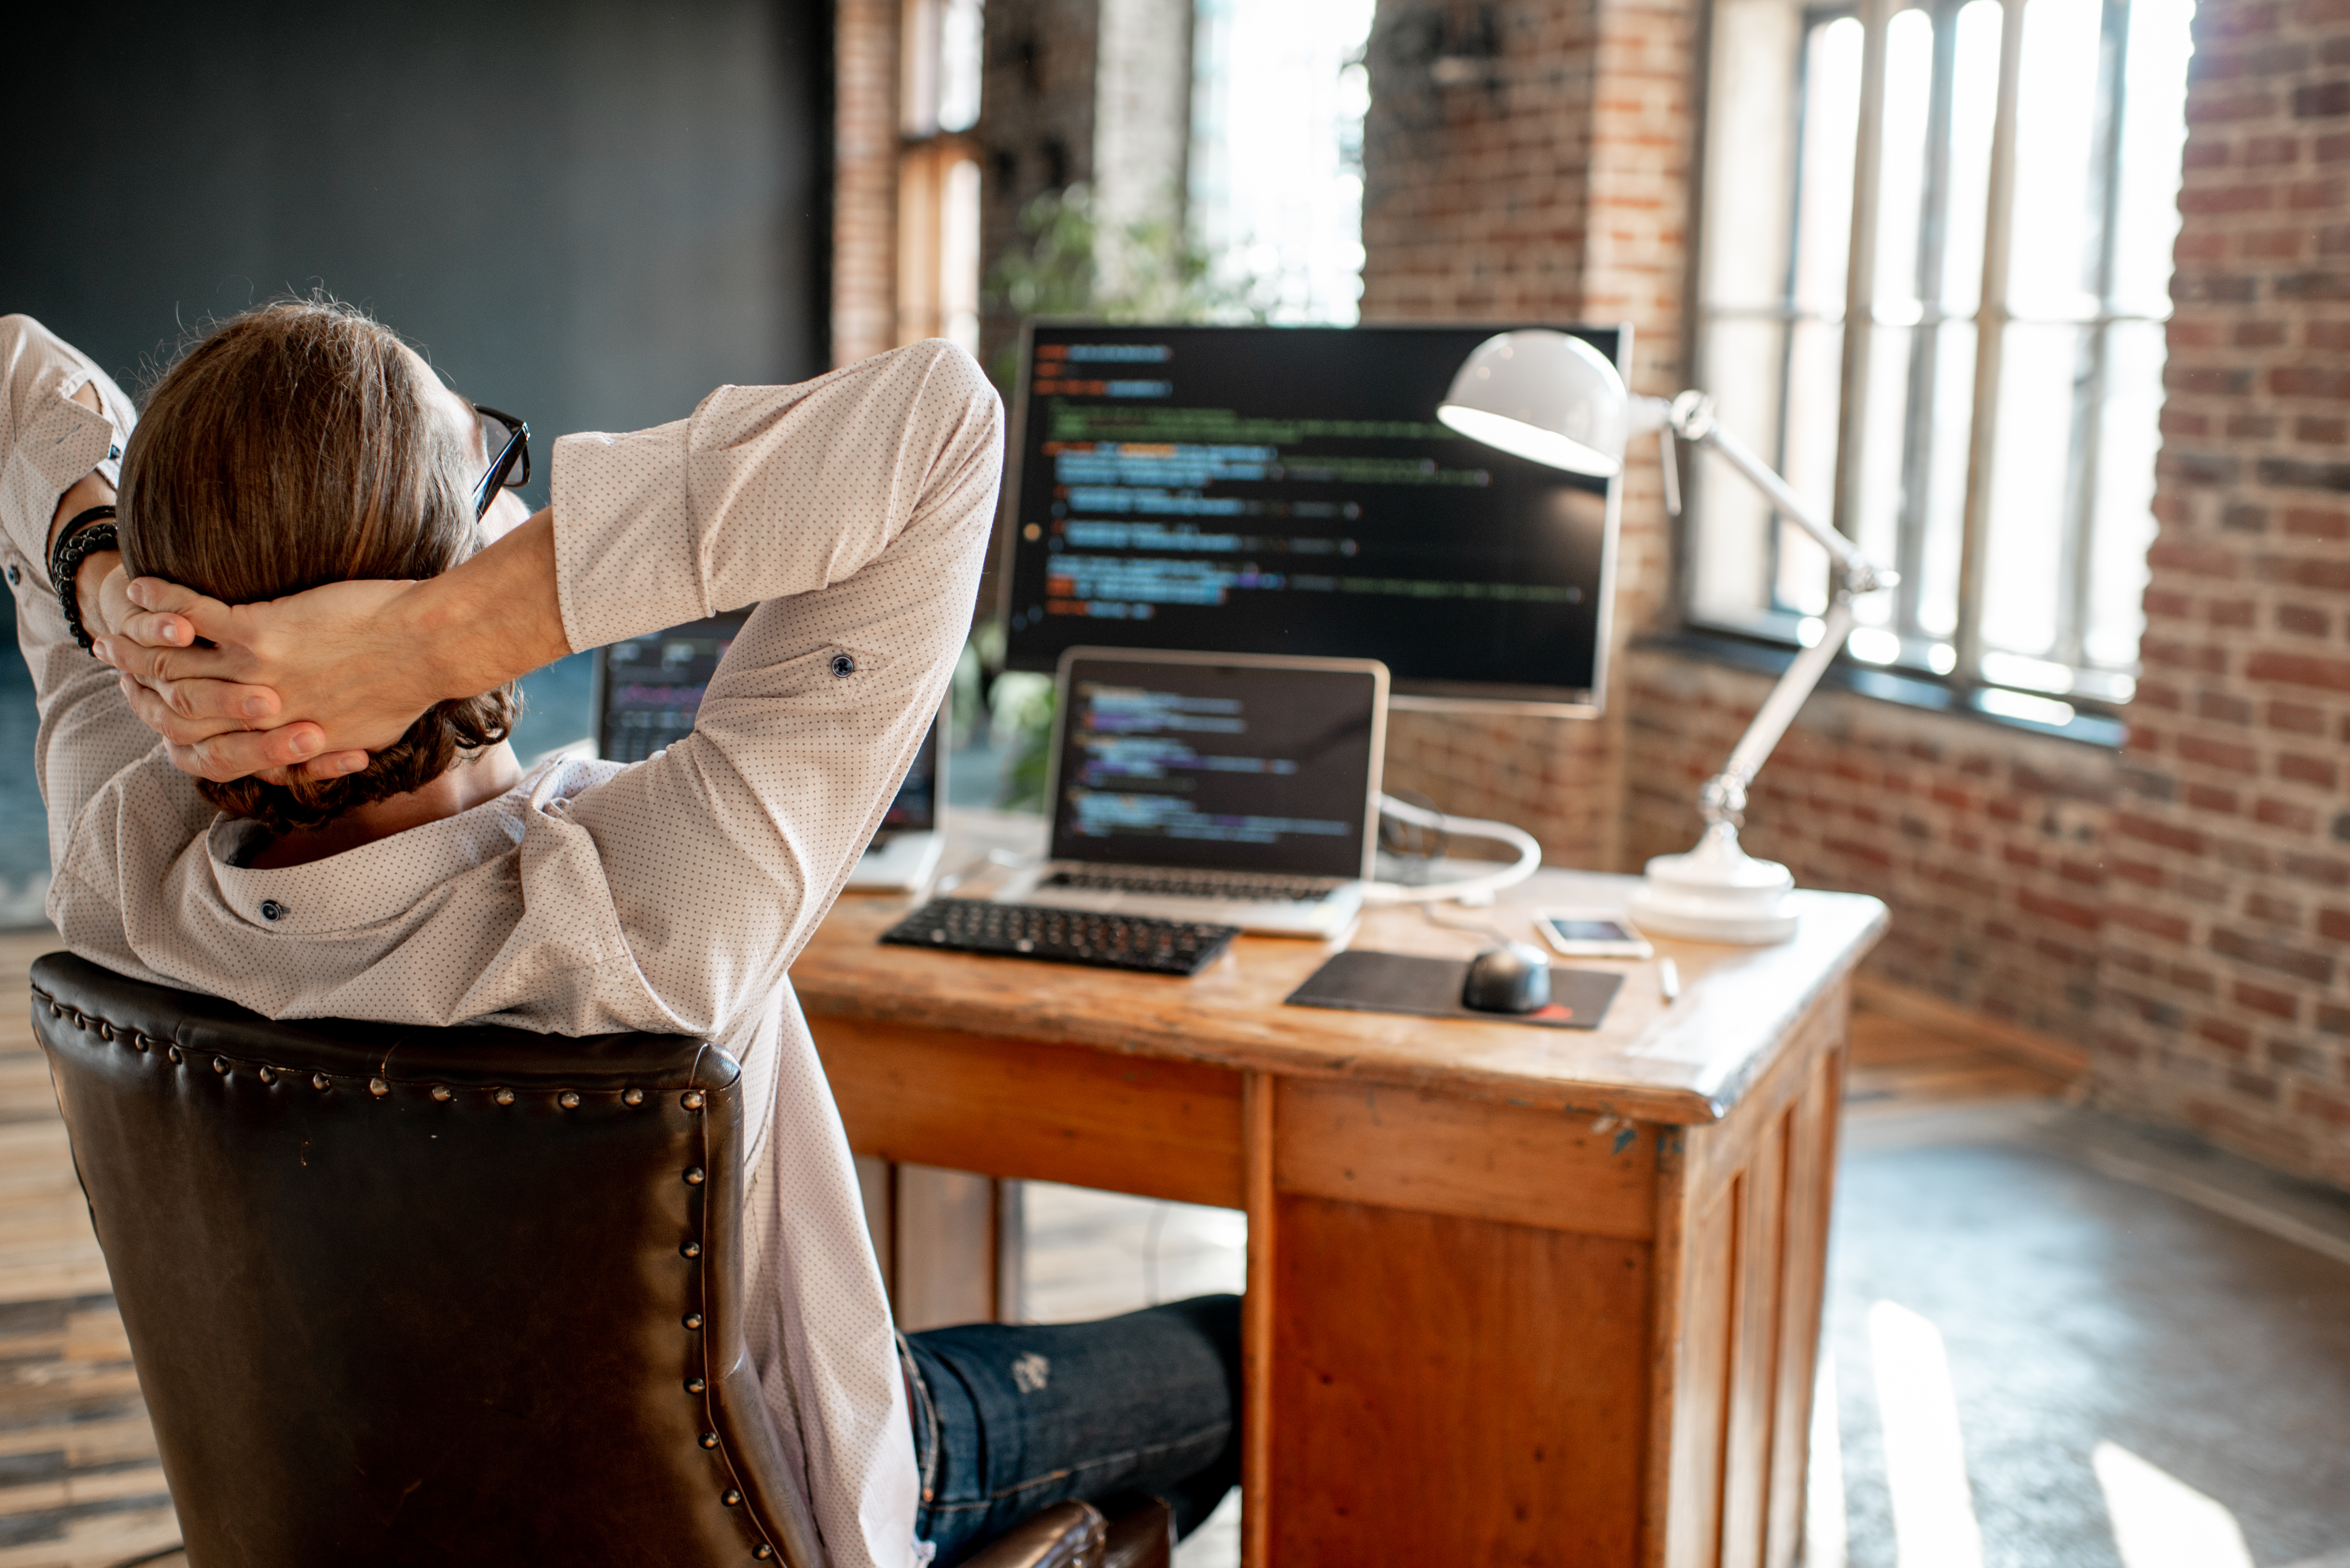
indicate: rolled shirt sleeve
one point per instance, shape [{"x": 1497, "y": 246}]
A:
[
  {"x": 51, "y": 441},
  {"x": 768, "y": 491},
  {"x": 854, "y": 511},
  {"x": 87, "y": 732}
]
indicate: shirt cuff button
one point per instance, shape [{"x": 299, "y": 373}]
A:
[
  {"x": 843, "y": 667},
  {"x": 272, "y": 909}
]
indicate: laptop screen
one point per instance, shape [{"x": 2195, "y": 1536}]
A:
[
  {"x": 649, "y": 688},
  {"x": 915, "y": 807},
  {"x": 1218, "y": 761}
]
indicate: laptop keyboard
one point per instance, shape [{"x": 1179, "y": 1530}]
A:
[
  {"x": 1062, "y": 936},
  {"x": 1195, "y": 885}
]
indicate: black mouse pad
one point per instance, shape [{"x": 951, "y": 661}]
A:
[{"x": 1431, "y": 988}]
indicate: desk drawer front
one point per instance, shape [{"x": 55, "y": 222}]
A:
[
  {"x": 1042, "y": 1113},
  {"x": 1471, "y": 1159}
]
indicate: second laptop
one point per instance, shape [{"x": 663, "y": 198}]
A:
[{"x": 1219, "y": 787}]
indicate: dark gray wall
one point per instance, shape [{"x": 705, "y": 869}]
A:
[{"x": 587, "y": 213}]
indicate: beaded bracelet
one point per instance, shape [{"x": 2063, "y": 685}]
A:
[{"x": 84, "y": 536}]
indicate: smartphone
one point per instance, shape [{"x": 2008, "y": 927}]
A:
[{"x": 1591, "y": 933}]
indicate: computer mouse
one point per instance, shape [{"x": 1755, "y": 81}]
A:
[{"x": 1511, "y": 978}]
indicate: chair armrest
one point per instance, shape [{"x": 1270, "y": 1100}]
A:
[
  {"x": 1071, "y": 1535},
  {"x": 1142, "y": 1538}
]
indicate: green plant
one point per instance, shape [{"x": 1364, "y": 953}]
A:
[
  {"x": 1022, "y": 729},
  {"x": 1066, "y": 264}
]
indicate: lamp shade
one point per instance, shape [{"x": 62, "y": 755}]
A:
[{"x": 1543, "y": 396}]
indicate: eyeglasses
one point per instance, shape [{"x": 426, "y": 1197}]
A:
[{"x": 510, "y": 467}]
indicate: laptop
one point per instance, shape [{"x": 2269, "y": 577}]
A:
[
  {"x": 649, "y": 688},
  {"x": 1232, "y": 788},
  {"x": 904, "y": 854}
]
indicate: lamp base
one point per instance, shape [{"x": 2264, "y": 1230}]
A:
[{"x": 1716, "y": 893}]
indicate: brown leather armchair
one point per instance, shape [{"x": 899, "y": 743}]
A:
[{"x": 452, "y": 1297}]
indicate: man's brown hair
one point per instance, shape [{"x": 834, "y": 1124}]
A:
[{"x": 294, "y": 446}]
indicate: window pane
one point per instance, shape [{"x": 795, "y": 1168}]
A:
[
  {"x": 2100, "y": 118},
  {"x": 1913, "y": 472},
  {"x": 2123, "y": 511},
  {"x": 2066, "y": 512},
  {"x": 1751, "y": 131},
  {"x": 959, "y": 256},
  {"x": 1901, "y": 190},
  {"x": 2030, "y": 490},
  {"x": 1931, "y": 584},
  {"x": 1782, "y": 124},
  {"x": 1975, "y": 104},
  {"x": 959, "y": 25},
  {"x": 2054, "y": 254},
  {"x": 1941, "y": 80},
  {"x": 1823, "y": 192},
  {"x": 1276, "y": 180},
  {"x": 1822, "y": 264},
  {"x": 1745, "y": 368},
  {"x": 2154, "y": 130},
  {"x": 1807, "y": 458},
  {"x": 1876, "y": 508}
]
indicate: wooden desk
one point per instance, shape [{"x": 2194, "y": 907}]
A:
[{"x": 1516, "y": 1294}]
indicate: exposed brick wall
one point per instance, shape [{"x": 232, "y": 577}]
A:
[
  {"x": 866, "y": 35},
  {"x": 1476, "y": 193},
  {"x": 1530, "y": 160},
  {"x": 2183, "y": 908},
  {"x": 2228, "y": 1005},
  {"x": 1987, "y": 843}
]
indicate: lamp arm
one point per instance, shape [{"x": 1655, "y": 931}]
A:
[
  {"x": 1691, "y": 417},
  {"x": 1725, "y": 796}
]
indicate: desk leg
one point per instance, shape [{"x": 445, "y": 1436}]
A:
[
  {"x": 1257, "y": 1324},
  {"x": 949, "y": 1242}
]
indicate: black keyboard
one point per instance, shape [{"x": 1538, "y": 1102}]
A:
[
  {"x": 1062, "y": 936},
  {"x": 1176, "y": 883}
]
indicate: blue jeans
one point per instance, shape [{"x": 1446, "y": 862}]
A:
[{"x": 1011, "y": 1418}]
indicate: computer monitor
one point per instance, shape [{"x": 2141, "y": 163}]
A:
[
  {"x": 649, "y": 688},
  {"x": 1288, "y": 489}
]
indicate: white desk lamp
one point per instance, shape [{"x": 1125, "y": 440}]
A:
[{"x": 1556, "y": 400}]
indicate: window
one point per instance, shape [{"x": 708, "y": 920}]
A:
[
  {"x": 1277, "y": 166},
  {"x": 938, "y": 172},
  {"x": 1933, "y": 286}
]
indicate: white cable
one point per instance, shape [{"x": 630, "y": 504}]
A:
[{"x": 1529, "y": 856}]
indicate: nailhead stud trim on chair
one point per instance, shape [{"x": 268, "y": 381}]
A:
[
  {"x": 187, "y": 1174},
  {"x": 81, "y": 1088}
]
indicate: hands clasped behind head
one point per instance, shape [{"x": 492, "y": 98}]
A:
[
  {"x": 222, "y": 708},
  {"x": 291, "y": 476}
]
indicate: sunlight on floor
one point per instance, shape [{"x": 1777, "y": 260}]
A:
[
  {"x": 1824, "y": 1504},
  {"x": 1924, "y": 1457},
  {"x": 2160, "y": 1521}
]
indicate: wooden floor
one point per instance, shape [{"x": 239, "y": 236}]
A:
[
  {"x": 79, "y": 1485},
  {"x": 78, "y": 1481},
  {"x": 1912, "y": 1055}
]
